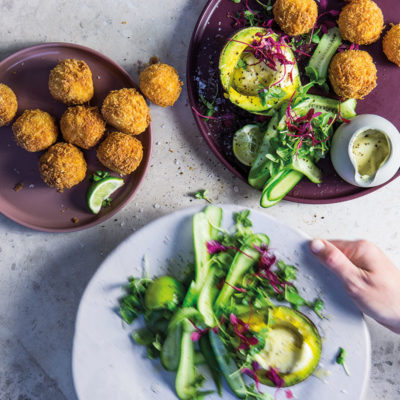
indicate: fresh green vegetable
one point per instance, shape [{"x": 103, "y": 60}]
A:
[
  {"x": 171, "y": 349},
  {"x": 242, "y": 262},
  {"x": 211, "y": 361},
  {"x": 340, "y": 359},
  {"x": 207, "y": 297},
  {"x": 246, "y": 142},
  {"x": 202, "y": 195},
  {"x": 164, "y": 292},
  {"x": 187, "y": 379},
  {"x": 278, "y": 187},
  {"x": 228, "y": 367},
  {"x": 317, "y": 69}
]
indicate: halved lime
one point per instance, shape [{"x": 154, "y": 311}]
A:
[
  {"x": 100, "y": 191},
  {"x": 246, "y": 143}
]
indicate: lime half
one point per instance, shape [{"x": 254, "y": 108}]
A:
[
  {"x": 100, "y": 191},
  {"x": 246, "y": 143}
]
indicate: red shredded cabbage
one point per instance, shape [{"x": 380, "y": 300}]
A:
[
  {"x": 226, "y": 116},
  {"x": 195, "y": 336},
  {"x": 241, "y": 330},
  {"x": 252, "y": 372},
  {"x": 240, "y": 290},
  {"x": 214, "y": 247},
  {"x": 272, "y": 375}
]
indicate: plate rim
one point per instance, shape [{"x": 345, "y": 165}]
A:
[
  {"x": 192, "y": 101},
  {"x": 145, "y": 161},
  {"x": 178, "y": 214}
]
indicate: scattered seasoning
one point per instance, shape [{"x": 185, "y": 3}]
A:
[
  {"x": 74, "y": 220},
  {"x": 154, "y": 60},
  {"x": 18, "y": 186}
]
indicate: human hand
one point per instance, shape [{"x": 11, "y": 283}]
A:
[{"x": 370, "y": 278}]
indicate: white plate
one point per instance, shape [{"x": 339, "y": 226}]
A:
[{"x": 108, "y": 365}]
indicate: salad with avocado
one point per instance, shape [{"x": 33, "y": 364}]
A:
[
  {"x": 269, "y": 74},
  {"x": 237, "y": 311}
]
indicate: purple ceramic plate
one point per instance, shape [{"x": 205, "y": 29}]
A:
[
  {"x": 211, "y": 33},
  {"x": 36, "y": 205}
]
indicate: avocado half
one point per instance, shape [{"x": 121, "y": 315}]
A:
[
  {"x": 293, "y": 347},
  {"x": 242, "y": 75}
]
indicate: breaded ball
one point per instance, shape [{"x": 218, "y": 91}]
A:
[
  {"x": 8, "y": 105},
  {"x": 62, "y": 166},
  {"x": 82, "y": 126},
  {"x": 160, "y": 84},
  {"x": 35, "y": 130},
  {"x": 71, "y": 82},
  {"x": 361, "y": 22},
  {"x": 120, "y": 152},
  {"x": 391, "y": 44},
  {"x": 127, "y": 111},
  {"x": 352, "y": 74},
  {"x": 295, "y": 17}
]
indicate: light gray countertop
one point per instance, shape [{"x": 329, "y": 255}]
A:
[{"x": 42, "y": 276}]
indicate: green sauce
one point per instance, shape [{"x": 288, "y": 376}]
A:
[{"x": 371, "y": 149}]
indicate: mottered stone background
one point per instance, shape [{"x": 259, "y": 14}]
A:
[{"x": 42, "y": 276}]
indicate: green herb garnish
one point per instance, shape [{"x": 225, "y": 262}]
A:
[
  {"x": 202, "y": 195},
  {"x": 340, "y": 359}
]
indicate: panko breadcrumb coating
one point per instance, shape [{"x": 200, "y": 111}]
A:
[
  {"x": 352, "y": 74},
  {"x": 71, "y": 82},
  {"x": 120, "y": 152},
  {"x": 361, "y": 22},
  {"x": 8, "y": 105},
  {"x": 160, "y": 84},
  {"x": 35, "y": 130},
  {"x": 82, "y": 126},
  {"x": 391, "y": 44},
  {"x": 62, "y": 166},
  {"x": 127, "y": 111},
  {"x": 295, "y": 17}
]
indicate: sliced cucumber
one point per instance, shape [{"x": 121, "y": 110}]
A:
[
  {"x": 308, "y": 168},
  {"x": 259, "y": 172},
  {"x": 348, "y": 108},
  {"x": 171, "y": 349},
  {"x": 228, "y": 367},
  {"x": 317, "y": 69},
  {"x": 246, "y": 142},
  {"x": 241, "y": 263},
  {"x": 207, "y": 351},
  {"x": 204, "y": 227},
  {"x": 206, "y": 299},
  {"x": 278, "y": 187}
]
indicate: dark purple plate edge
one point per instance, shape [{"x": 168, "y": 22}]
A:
[
  {"x": 145, "y": 161},
  {"x": 192, "y": 101}
]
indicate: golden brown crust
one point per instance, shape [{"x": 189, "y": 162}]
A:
[
  {"x": 127, "y": 111},
  {"x": 295, "y": 17},
  {"x": 160, "y": 84},
  {"x": 391, "y": 44},
  {"x": 120, "y": 152},
  {"x": 62, "y": 166},
  {"x": 82, "y": 126},
  {"x": 71, "y": 82},
  {"x": 35, "y": 130},
  {"x": 361, "y": 22},
  {"x": 8, "y": 105},
  {"x": 352, "y": 74}
]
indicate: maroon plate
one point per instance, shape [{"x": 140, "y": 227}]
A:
[
  {"x": 211, "y": 33},
  {"x": 38, "y": 206}
]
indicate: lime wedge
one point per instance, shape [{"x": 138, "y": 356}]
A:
[
  {"x": 100, "y": 191},
  {"x": 246, "y": 143}
]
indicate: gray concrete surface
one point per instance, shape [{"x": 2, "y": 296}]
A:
[{"x": 42, "y": 276}]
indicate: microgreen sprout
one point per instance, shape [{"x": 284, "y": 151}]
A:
[
  {"x": 202, "y": 195},
  {"x": 99, "y": 175},
  {"x": 340, "y": 359}
]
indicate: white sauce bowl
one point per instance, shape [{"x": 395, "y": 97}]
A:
[{"x": 342, "y": 145}]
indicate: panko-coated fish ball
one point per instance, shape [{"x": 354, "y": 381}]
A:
[{"x": 8, "y": 105}]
